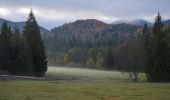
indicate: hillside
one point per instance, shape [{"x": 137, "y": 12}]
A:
[
  {"x": 20, "y": 25},
  {"x": 166, "y": 23},
  {"x": 90, "y": 32},
  {"x": 138, "y": 22},
  {"x": 87, "y": 33}
]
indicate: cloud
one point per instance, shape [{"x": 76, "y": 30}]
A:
[
  {"x": 55, "y": 16},
  {"x": 4, "y": 12},
  {"x": 51, "y": 13}
]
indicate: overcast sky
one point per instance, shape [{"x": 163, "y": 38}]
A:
[{"x": 51, "y": 13}]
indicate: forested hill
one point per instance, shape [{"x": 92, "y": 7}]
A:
[
  {"x": 166, "y": 23},
  {"x": 89, "y": 33},
  {"x": 20, "y": 25},
  {"x": 139, "y": 22},
  {"x": 81, "y": 41}
]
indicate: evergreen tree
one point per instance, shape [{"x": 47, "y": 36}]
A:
[
  {"x": 24, "y": 64},
  {"x": 21, "y": 56},
  {"x": 5, "y": 47},
  {"x": 146, "y": 41},
  {"x": 33, "y": 37},
  {"x": 146, "y": 38},
  {"x": 167, "y": 68},
  {"x": 109, "y": 58},
  {"x": 157, "y": 70},
  {"x": 15, "y": 41}
]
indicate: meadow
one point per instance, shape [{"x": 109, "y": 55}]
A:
[{"x": 83, "y": 84}]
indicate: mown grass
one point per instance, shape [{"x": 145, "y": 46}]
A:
[{"x": 93, "y": 85}]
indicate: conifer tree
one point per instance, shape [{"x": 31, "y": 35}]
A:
[
  {"x": 109, "y": 58},
  {"x": 5, "y": 47},
  {"x": 33, "y": 37},
  {"x": 21, "y": 56},
  {"x": 146, "y": 37},
  {"x": 167, "y": 68},
  {"x": 15, "y": 41},
  {"x": 24, "y": 59},
  {"x": 157, "y": 70},
  {"x": 146, "y": 41}
]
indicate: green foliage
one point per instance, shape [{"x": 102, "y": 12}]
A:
[
  {"x": 109, "y": 58},
  {"x": 93, "y": 52},
  {"x": 158, "y": 69},
  {"x": 66, "y": 59},
  {"x": 24, "y": 62},
  {"x": 90, "y": 63},
  {"x": 100, "y": 61},
  {"x": 22, "y": 56},
  {"x": 146, "y": 43},
  {"x": 168, "y": 41},
  {"x": 18, "y": 58},
  {"x": 33, "y": 37},
  {"x": 75, "y": 55},
  {"x": 93, "y": 37},
  {"x": 5, "y": 49},
  {"x": 88, "y": 34}
]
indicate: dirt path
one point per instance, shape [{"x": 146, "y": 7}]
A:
[
  {"x": 52, "y": 80},
  {"x": 12, "y": 77}
]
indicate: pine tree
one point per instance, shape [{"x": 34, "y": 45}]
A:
[
  {"x": 33, "y": 37},
  {"x": 5, "y": 47}
]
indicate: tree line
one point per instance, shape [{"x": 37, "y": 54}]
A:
[
  {"x": 23, "y": 53},
  {"x": 157, "y": 51},
  {"x": 148, "y": 51}
]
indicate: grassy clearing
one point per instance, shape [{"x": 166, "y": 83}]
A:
[
  {"x": 90, "y": 74},
  {"x": 101, "y": 90},
  {"x": 93, "y": 85}
]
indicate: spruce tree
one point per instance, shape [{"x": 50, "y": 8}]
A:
[
  {"x": 21, "y": 56},
  {"x": 157, "y": 70},
  {"x": 167, "y": 69},
  {"x": 146, "y": 41},
  {"x": 33, "y": 37},
  {"x": 15, "y": 41},
  {"x": 146, "y": 37},
  {"x": 24, "y": 61},
  {"x": 5, "y": 47}
]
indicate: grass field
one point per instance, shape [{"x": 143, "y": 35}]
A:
[
  {"x": 90, "y": 74},
  {"x": 91, "y": 85}
]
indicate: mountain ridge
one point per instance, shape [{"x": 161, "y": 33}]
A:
[
  {"x": 140, "y": 22},
  {"x": 90, "y": 32},
  {"x": 20, "y": 25}
]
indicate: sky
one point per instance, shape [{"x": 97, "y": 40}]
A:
[{"x": 53, "y": 13}]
